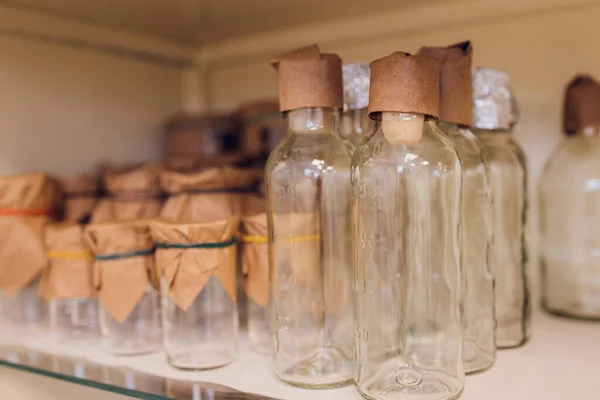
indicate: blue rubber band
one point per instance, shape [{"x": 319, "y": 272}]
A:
[{"x": 217, "y": 245}]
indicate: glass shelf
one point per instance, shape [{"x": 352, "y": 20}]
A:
[{"x": 121, "y": 380}]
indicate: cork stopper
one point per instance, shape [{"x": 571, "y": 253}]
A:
[
  {"x": 356, "y": 85},
  {"x": 456, "y": 84},
  {"x": 404, "y": 83},
  {"x": 308, "y": 78},
  {"x": 581, "y": 105}
]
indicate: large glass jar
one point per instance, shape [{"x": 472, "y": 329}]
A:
[
  {"x": 308, "y": 215},
  {"x": 479, "y": 320},
  {"x": 570, "y": 226},
  {"x": 76, "y": 320},
  {"x": 407, "y": 262},
  {"x": 495, "y": 113}
]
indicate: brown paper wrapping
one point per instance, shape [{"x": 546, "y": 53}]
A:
[
  {"x": 404, "y": 83},
  {"x": 22, "y": 254},
  {"x": 186, "y": 271},
  {"x": 121, "y": 283},
  {"x": 309, "y": 78},
  {"x": 204, "y": 196},
  {"x": 80, "y": 194},
  {"x": 131, "y": 194},
  {"x": 581, "y": 104},
  {"x": 456, "y": 82},
  {"x": 66, "y": 277},
  {"x": 255, "y": 252}
]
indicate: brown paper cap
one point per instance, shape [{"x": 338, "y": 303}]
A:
[
  {"x": 582, "y": 104},
  {"x": 456, "y": 82},
  {"x": 66, "y": 278},
  {"x": 122, "y": 282},
  {"x": 404, "y": 83},
  {"x": 187, "y": 271},
  {"x": 144, "y": 178},
  {"x": 255, "y": 259},
  {"x": 308, "y": 78},
  {"x": 22, "y": 255}
]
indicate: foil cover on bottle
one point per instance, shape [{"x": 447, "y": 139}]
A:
[
  {"x": 356, "y": 85},
  {"x": 494, "y": 105}
]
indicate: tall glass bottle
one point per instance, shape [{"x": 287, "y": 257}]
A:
[
  {"x": 308, "y": 218},
  {"x": 494, "y": 113},
  {"x": 570, "y": 208},
  {"x": 456, "y": 118},
  {"x": 354, "y": 121},
  {"x": 406, "y": 180}
]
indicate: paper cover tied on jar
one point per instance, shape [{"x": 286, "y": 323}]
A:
[
  {"x": 80, "y": 194},
  {"x": 212, "y": 194},
  {"x": 197, "y": 268},
  {"x": 456, "y": 117},
  {"x": 68, "y": 282},
  {"x": 125, "y": 279},
  {"x": 27, "y": 204},
  {"x": 570, "y": 207},
  {"x": 133, "y": 193}
]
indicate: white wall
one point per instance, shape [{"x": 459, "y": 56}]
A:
[{"x": 541, "y": 44}]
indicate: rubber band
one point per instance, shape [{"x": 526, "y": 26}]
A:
[
  {"x": 17, "y": 212},
  {"x": 254, "y": 239},
  {"x": 73, "y": 255},
  {"x": 127, "y": 254},
  {"x": 216, "y": 245},
  {"x": 304, "y": 238}
]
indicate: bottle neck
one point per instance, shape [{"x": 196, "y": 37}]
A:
[
  {"x": 402, "y": 128},
  {"x": 317, "y": 120},
  {"x": 355, "y": 124}
]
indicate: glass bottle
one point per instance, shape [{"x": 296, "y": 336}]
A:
[
  {"x": 308, "y": 193},
  {"x": 139, "y": 333},
  {"x": 354, "y": 120},
  {"x": 407, "y": 273},
  {"x": 570, "y": 208},
  {"x": 494, "y": 112},
  {"x": 75, "y": 319}
]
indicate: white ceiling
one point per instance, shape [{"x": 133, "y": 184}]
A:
[{"x": 201, "y": 21}]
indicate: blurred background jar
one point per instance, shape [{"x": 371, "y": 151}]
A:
[
  {"x": 355, "y": 123},
  {"x": 195, "y": 141},
  {"x": 495, "y": 114},
  {"x": 570, "y": 208}
]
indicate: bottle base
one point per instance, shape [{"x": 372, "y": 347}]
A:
[
  {"x": 584, "y": 315},
  {"x": 405, "y": 383},
  {"x": 511, "y": 344},
  {"x": 130, "y": 348},
  {"x": 327, "y": 368},
  {"x": 476, "y": 360},
  {"x": 200, "y": 360}
]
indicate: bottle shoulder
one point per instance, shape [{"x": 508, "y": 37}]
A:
[{"x": 573, "y": 160}]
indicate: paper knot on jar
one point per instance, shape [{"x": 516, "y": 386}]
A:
[
  {"x": 188, "y": 255},
  {"x": 255, "y": 251},
  {"x": 209, "y": 195},
  {"x": 27, "y": 204},
  {"x": 80, "y": 194},
  {"x": 68, "y": 273},
  {"x": 130, "y": 194},
  {"x": 123, "y": 265}
]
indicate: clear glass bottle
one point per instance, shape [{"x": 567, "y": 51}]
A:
[
  {"x": 407, "y": 263},
  {"x": 495, "y": 114},
  {"x": 76, "y": 320},
  {"x": 479, "y": 322},
  {"x": 139, "y": 333},
  {"x": 308, "y": 209},
  {"x": 570, "y": 226},
  {"x": 354, "y": 120}
]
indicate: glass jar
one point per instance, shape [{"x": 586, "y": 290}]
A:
[
  {"x": 479, "y": 322},
  {"x": 308, "y": 212},
  {"x": 26, "y": 312},
  {"x": 354, "y": 121},
  {"x": 76, "y": 319},
  {"x": 407, "y": 262},
  {"x": 139, "y": 333},
  {"x": 570, "y": 226},
  {"x": 495, "y": 114}
]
